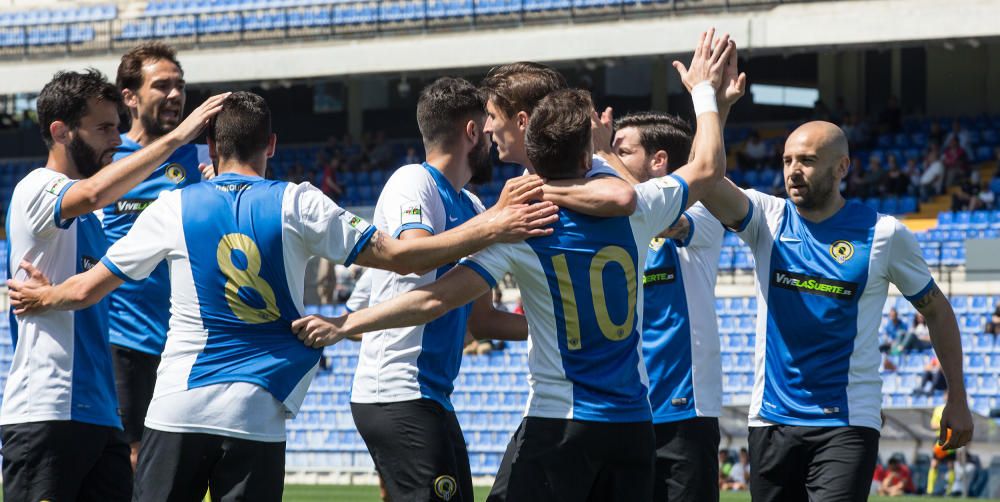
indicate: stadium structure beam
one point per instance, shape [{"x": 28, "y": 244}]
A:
[{"x": 797, "y": 26}]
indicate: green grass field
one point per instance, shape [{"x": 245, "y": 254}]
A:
[{"x": 306, "y": 493}]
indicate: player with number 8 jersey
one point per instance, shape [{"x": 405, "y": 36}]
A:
[{"x": 232, "y": 371}]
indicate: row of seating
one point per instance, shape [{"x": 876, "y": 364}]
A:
[
  {"x": 78, "y": 14},
  {"x": 46, "y": 35},
  {"x": 965, "y": 220}
]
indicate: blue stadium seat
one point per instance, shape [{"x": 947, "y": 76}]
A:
[{"x": 945, "y": 220}]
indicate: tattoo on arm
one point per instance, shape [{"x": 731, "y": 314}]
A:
[
  {"x": 378, "y": 243},
  {"x": 928, "y": 298}
]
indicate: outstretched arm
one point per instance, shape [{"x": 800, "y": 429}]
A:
[
  {"x": 947, "y": 342},
  {"x": 511, "y": 224},
  {"x": 35, "y": 294},
  {"x": 419, "y": 306},
  {"x": 112, "y": 182}
]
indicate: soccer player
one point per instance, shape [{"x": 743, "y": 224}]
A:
[
  {"x": 680, "y": 336},
  {"x": 823, "y": 268},
  {"x": 151, "y": 82},
  {"x": 680, "y": 339},
  {"x": 237, "y": 246},
  {"x": 400, "y": 399},
  {"x": 513, "y": 91},
  {"x": 60, "y": 425},
  {"x": 587, "y": 433}
]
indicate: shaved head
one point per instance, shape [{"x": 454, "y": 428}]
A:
[{"x": 816, "y": 159}]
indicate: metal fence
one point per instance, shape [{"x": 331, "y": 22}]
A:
[{"x": 340, "y": 20}]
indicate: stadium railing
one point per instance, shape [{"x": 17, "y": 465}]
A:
[{"x": 94, "y": 29}]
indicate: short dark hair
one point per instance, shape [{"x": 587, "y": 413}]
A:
[
  {"x": 558, "y": 134},
  {"x": 65, "y": 99},
  {"x": 243, "y": 128},
  {"x": 444, "y": 107},
  {"x": 130, "y": 68},
  {"x": 520, "y": 86},
  {"x": 661, "y": 131}
]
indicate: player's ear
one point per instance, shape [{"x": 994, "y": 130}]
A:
[
  {"x": 472, "y": 131},
  {"x": 272, "y": 143},
  {"x": 660, "y": 161},
  {"x": 843, "y": 166},
  {"x": 522, "y": 120},
  {"x": 211, "y": 147},
  {"x": 60, "y": 132},
  {"x": 130, "y": 98}
]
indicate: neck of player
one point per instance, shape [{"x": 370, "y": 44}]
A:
[
  {"x": 138, "y": 133},
  {"x": 454, "y": 167},
  {"x": 823, "y": 211},
  {"x": 60, "y": 161},
  {"x": 256, "y": 167}
]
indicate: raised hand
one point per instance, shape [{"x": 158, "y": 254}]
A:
[
  {"x": 518, "y": 222},
  {"x": 198, "y": 119},
  {"x": 318, "y": 331},
  {"x": 734, "y": 83},
  {"x": 207, "y": 171},
  {"x": 26, "y": 296},
  {"x": 601, "y": 130},
  {"x": 520, "y": 190},
  {"x": 709, "y": 60}
]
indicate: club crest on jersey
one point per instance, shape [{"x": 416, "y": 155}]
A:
[
  {"x": 445, "y": 487},
  {"x": 656, "y": 243},
  {"x": 175, "y": 173},
  {"x": 841, "y": 251}
]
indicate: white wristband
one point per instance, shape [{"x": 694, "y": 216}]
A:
[{"x": 703, "y": 97}]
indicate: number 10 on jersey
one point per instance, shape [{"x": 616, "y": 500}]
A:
[{"x": 611, "y": 330}]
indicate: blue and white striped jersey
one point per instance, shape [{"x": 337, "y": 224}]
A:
[
  {"x": 62, "y": 360},
  {"x": 237, "y": 248},
  {"x": 584, "y": 306},
  {"x": 821, "y": 288},
  {"x": 680, "y": 334}
]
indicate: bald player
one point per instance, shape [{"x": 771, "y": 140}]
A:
[{"x": 823, "y": 268}]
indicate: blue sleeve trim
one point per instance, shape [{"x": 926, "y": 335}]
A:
[
  {"x": 690, "y": 235},
  {"x": 684, "y": 198},
  {"x": 360, "y": 245},
  {"x": 746, "y": 219},
  {"x": 411, "y": 226},
  {"x": 58, "y": 212},
  {"x": 479, "y": 269},
  {"x": 912, "y": 298},
  {"x": 117, "y": 271}
]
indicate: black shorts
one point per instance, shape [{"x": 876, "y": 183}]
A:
[
  {"x": 64, "y": 460},
  {"x": 552, "y": 459},
  {"x": 183, "y": 466},
  {"x": 687, "y": 462},
  {"x": 418, "y": 449},
  {"x": 135, "y": 377},
  {"x": 795, "y": 463}
]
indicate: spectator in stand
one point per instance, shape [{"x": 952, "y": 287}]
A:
[
  {"x": 993, "y": 327},
  {"x": 852, "y": 184},
  {"x": 917, "y": 338},
  {"x": 839, "y": 113},
  {"x": 893, "y": 332},
  {"x": 968, "y": 197},
  {"x": 957, "y": 132},
  {"x": 754, "y": 154},
  {"x": 896, "y": 182},
  {"x": 381, "y": 151},
  {"x": 890, "y": 121},
  {"x": 912, "y": 171},
  {"x": 871, "y": 179},
  {"x": 411, "y": 157},
  {"x": 932, "y": 380},
  {"x": 955, "y": 161},
  {"x": 725, "y": 468},
  {"x": 898, "y": 480},
  {"x": 350, "y": 150},
  {"x": 330, "y": 187},
  {"x": 332, "y": 147},
  {"x": 739, "y": 473},
  {"x": 297, "y": 173},
  {"x": 932, "y": 180}
]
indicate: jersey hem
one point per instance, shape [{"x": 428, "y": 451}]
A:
[
  {"x": 57, "y": 212},
  {"x": 360, "y": 246},
  {"x": 60, "y": 417},
  {"x": 124, "y": 342},
  {"x": 920, "y": 294},
  {"x": 684, "y": 198},
  {"x": 412, "y": 226},
  {"x": 117, "y": 271},
  {"x": 215, "y": 431},
  {"x": 479, "y": 269},
  {"x": 763, "y": 420}
]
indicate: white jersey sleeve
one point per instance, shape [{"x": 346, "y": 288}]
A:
[
  {"x": 327, "y": 229},
  {"x": 762, "y": 210},
  {"x": 661, "y": 202},
  {"x": 706, "y": 232},
  {"x": 151, "y": 238},
  {"x": 44, "y": 189},
  {"x": 362, "y": 293},
  {"x": 410, "y": 200},
  {"x": 907, "y": 268},
  {"x": 490, "y": 263}
]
